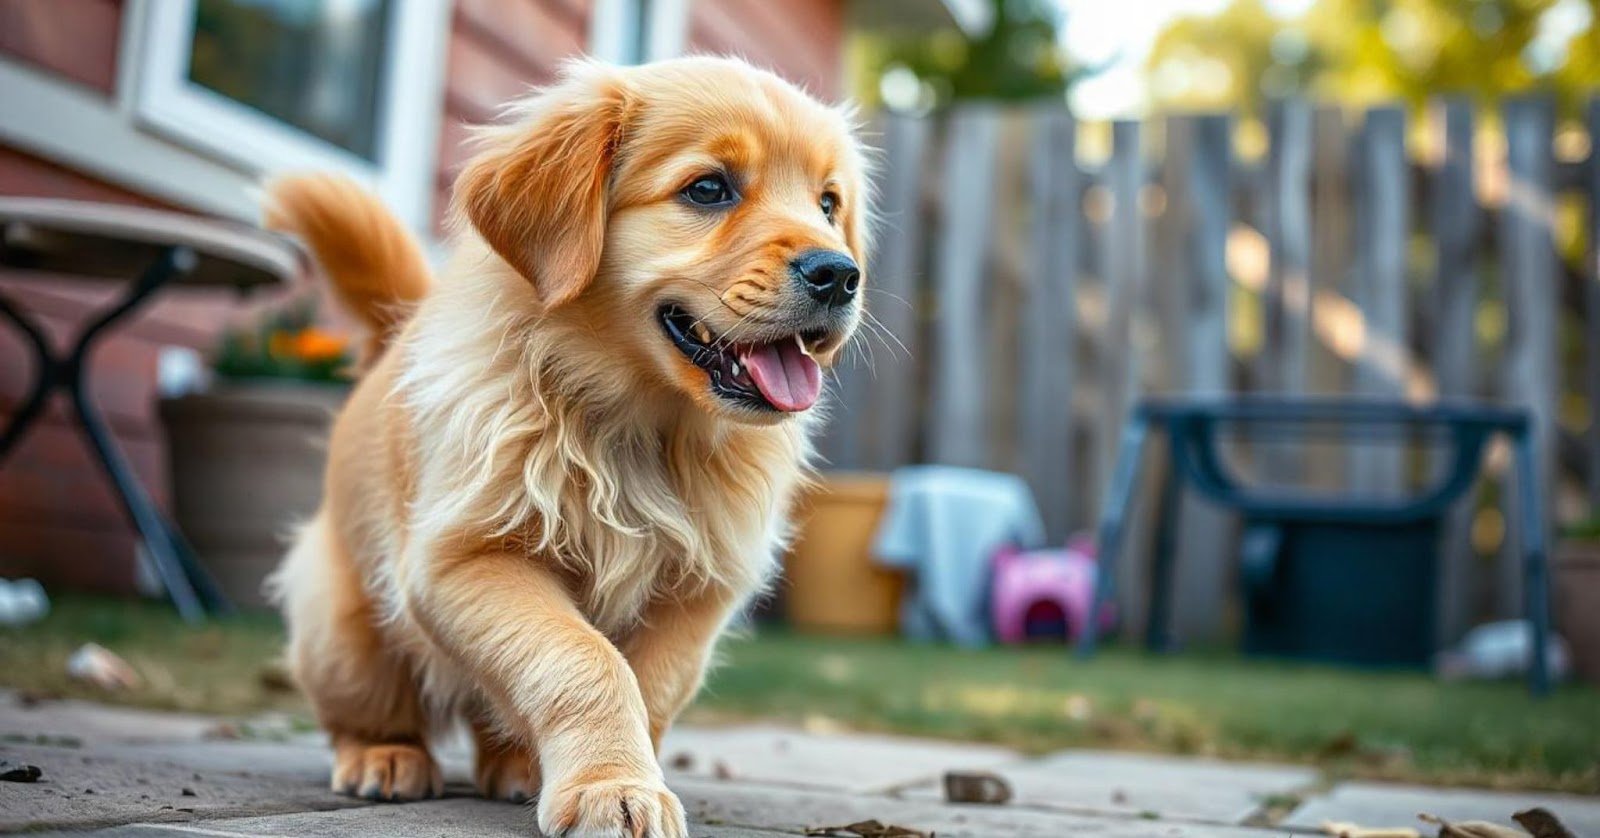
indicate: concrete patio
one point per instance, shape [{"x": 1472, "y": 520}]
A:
[{"x": 118, "y": 772}]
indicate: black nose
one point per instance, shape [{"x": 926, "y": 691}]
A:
[{"x": 830, "y": 277}]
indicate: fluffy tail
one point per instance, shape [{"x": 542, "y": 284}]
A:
[{"x": 375, "y": 265}]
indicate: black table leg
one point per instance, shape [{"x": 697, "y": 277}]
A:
[
  {"x": 174, "y": 561},
  {"x": 46, "y": 378}
]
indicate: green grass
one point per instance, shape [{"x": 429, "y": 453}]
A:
[
  {"x": 1400, "y": 726},
  {"x": 228, "y": 667},
  {"x": 1380, "y": 725}
]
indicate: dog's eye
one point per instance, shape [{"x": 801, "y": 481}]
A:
[
  {"x": 829, "y": 203},
  {"x": 709, "y": 191}
]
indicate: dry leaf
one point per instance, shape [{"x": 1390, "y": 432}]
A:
[
  {"x": 1542, "y": 823},
  {"x": 1471, "y": 829},
  {"x": 867, "y": 829}
]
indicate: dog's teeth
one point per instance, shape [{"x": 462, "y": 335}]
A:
[
  {"x": 701, "y": 333},
  {"x": 804, "y": 350},
  {"x": 737, "y": 370}
]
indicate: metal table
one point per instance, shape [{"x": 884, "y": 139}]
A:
[{"x": 147, "y": 251}]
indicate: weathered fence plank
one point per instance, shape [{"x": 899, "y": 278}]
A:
[
  {"x": 1382, "y": 219},
  {"x": 1168, "y": 284},
  {"x": 1454, "y": 217},
  {"x": 1331, "y": 252},
  {"x": 1116, "y": 361},
  {"x": 958, "y": 433},
  {"x": 1122, "y": 244},
  {"x": 1048, "y": 362},
  {"x": 892, "y": 294},
  {"x": 1205, "y": 542},
  {"x": 1529, "y": 273},
  {"x": 1287, "y": 300}
]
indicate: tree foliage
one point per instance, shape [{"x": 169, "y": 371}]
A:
[
  {"x": 1370, "y": 50},
  {"x": 1017, "y": 58}
]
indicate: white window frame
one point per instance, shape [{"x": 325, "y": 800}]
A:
[
  {"x": 614, "y": 27},
  {"x": 163, "y": 99}
]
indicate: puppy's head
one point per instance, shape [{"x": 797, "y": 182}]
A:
[{"x": 704, "y": 221}]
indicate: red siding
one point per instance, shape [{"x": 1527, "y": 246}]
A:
[
  {"x": 76, "y": 39},
  {"x": 498, "y": 49},
  {"x": 802, "y": 40}
]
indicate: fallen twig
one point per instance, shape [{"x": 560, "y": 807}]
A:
[{"x": 867, "y": 829}]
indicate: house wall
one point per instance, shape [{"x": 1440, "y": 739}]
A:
[
  {"x": 58, "y": 520},
  {"x": 802, "y": 40}
]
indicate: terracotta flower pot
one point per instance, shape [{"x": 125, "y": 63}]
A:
[
  {"x": 1577, "y": 603},
  {"x": 247, "y": 461}
]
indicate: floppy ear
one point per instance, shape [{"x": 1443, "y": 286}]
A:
[{"x": 537, "y": 192}]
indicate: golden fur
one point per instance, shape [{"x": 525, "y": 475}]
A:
[{"x": 537, "y": 515}]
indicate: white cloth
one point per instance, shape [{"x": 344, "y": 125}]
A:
[{"x": 943, "y": 526}]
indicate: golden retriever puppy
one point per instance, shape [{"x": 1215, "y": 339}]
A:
[{"x": 568, "y": 461}]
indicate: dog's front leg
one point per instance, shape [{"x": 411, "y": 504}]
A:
[
  {"x": 561, "y": 684},
  {"x": 669, "y": 653}
]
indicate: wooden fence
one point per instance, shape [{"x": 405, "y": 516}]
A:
[{"x": 1025, "y": 299}]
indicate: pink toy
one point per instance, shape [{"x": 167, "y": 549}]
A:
[{"x": 1045, "y": 593}]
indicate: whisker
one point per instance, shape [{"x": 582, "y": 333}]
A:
[
  {"x": 891, "y": 295},
  {"x": 883, "y": 331}
]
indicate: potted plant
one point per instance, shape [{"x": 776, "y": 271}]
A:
[
  {"x": 1577, "y": 594},
  {"x": 247, "y": 452}
]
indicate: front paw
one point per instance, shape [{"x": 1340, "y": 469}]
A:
[
  {"x": 385, "y": 772},
  {"x": 611, "y": 804}
]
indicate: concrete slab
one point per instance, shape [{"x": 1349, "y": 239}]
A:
[
  {"x": 1370, "y": 804},
  {"x": 83, "y": 722},
  {"x": 1133, "y": 785},
  {"x": 791, "y": 811},
  {"x": 843, "y": 762},
  {"x": 431, "y": 819},
  {"x": 91, "y": 786}
]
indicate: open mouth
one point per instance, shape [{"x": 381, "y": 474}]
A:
[{"x": 767, "y": 374}]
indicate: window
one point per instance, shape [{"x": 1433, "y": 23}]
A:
[
  {"x": 636, "y": 31},
  {"x": 292, "y": 85}
]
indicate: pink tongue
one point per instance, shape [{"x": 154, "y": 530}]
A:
[{"x": 790, "y": 380}]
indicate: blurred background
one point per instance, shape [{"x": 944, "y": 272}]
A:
[{"x": 1084, "y": 205}]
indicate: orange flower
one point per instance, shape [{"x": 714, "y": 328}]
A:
[{"x": 314, "y": 346}]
